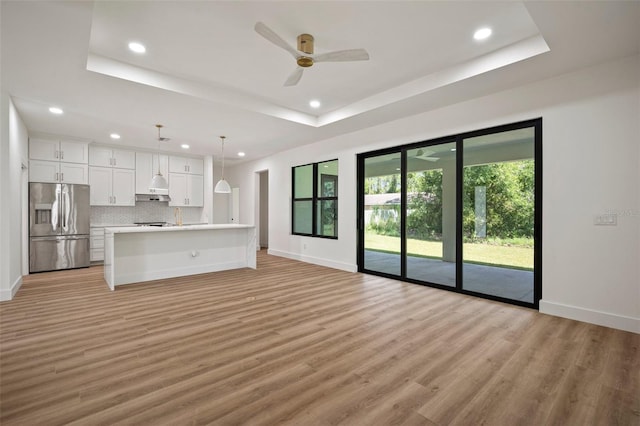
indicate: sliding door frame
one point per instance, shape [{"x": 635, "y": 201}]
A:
[{"x": 536, "y": 124}]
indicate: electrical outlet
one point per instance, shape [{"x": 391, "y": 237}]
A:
[{"x": 606, "y": 219}]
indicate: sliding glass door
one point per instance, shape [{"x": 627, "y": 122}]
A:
[
  {"x": 431, "y": 214},
  {"x": 498, "y": 214},
  {"x": 460, "y": 213},
  {"x": 381, "y": 182}
]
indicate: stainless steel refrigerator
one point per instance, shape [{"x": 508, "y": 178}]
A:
[{"x": 58, "y": 226}]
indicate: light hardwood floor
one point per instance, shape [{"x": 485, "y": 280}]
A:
[{"x": 294, "y": 343}]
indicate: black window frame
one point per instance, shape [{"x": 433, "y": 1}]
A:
[{"x": 315, "y": 199}]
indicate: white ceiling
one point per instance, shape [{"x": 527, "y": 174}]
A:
[{"x": 208, "y": 73}]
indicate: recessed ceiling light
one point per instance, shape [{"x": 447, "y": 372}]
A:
[
  {"x": 137, "y": 47},
  {"x": 184, "y": 146},
  {"x": 314, "y": 103},
  {"x": 482, "y": 33},
  {"x": 241, "y": 154},
  {"x": 114, "y": 136},
  {"x": 55, "y": 110}
]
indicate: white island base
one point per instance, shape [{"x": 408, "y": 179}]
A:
[{"x": 135, "y": 254}]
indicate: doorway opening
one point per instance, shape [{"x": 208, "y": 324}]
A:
[{"x": 263, "y": 209}]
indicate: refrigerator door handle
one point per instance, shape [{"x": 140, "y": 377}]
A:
[
  {"x": 65, "y": 210},
  {"x": 55, "y": 210}
]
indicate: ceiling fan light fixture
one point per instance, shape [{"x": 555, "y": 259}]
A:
[{"x": 304, "y": 54}]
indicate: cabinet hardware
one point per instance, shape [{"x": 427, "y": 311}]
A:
[
  {"x": 62, "y": 155},
  {"x": 56, "y": 178},
  {"x": 56, "y": 155},
  {"x": 61, "y": 177}
]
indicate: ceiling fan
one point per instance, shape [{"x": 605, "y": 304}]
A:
[
  {"x": 304, "y": 55},
  {"x": 425, "y": 154}
]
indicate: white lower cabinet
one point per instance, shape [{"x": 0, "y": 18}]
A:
[
  {"x": 57, "y": 172},
  {"x": 112, "y": 187},
  {"x": 97, "y": 244},
  {"x": 186, "y": 190}
]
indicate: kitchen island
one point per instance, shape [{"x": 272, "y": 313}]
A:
[{"x": 136, "y": 254}]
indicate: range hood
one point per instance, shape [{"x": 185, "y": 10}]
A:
[{"x": 152, "y": 197}]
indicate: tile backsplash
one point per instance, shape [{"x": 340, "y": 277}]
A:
[{"x": 145, "y": 212}]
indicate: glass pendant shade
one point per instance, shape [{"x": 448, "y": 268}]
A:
[
  {"x": 222, "y": 187},
  {"x": 158, "y": 182}
]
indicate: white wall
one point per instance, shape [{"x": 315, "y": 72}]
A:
[
  {"x": 591, "y": 161},
  {"x": 13, "y": 154}
]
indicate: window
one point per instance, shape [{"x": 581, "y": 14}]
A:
[{"x": 314, "y": 210}]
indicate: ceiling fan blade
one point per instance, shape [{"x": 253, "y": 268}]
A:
[
  {"x": 274, "y": 38},
  {"x": 343, "y": 56},
  {"x": 295, "y": 77}
]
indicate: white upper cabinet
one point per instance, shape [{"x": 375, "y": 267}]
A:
[
  {"x": 55, "y": 161},
  {"x": 55, "y": 150},
  {"x": 111, "y": 186},
  {"x": 74, "y": 152},
  {"x": 194, "y": 166},
  {"x": 109, "y": 157},
  {"x": 186, "y": 190},
  {"x": 147, "y": 167}
]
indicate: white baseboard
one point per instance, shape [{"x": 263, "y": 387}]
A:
[
  {"x": 315, "y": 260},
  {"x": 605, "y": 319},
  {"x": 10, "y": 293}
]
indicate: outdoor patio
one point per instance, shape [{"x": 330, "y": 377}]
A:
[{"x": 509, "y": 283}]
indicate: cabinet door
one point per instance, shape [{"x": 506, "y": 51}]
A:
[
  {"x": 164, "y": 165},
  {"x": 196, "y": 166},
  {"x": 177, "y": 164},
  {"x": 100, "y": 156},
  {"x": 74, "y": 152},
  {"x": 44, "y": 171},
  {"x": 43, "y": 149},
  {"x": 177, "y": 189},
  {"x": 97, "y": 244},
  {"x": 124, "y": 159},
  {"x": 144, "y": 172},
  {"x": 163, "y": 160},
  {"x": 74, "y": 173},
  {"x": 195, "y": 191},
  {"x": 124, "y": 187},
  {"x": 101, "y": 185}
]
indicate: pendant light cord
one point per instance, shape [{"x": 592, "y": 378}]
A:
[
  {"x": 159, "y": 126},
  {"x": 223, "y": 138}
]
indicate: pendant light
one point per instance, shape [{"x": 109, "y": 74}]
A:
[
  {"x": 222, "y": 187},
  {"x": 158, "y": 182}
]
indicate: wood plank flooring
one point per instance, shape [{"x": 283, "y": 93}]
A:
[{"x": 299, "y": 344}]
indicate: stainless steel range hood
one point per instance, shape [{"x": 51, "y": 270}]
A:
[{"x": 154, "y": 197}]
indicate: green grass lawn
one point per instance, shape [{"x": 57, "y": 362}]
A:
[{"x": 486, "y": 254}]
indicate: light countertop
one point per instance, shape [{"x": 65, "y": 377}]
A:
[{"x": 173, "y": 228}]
